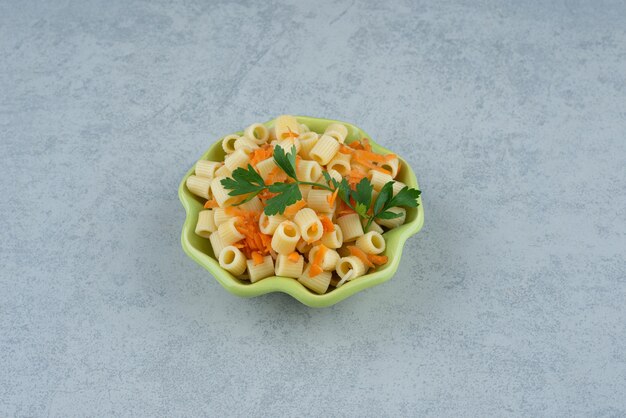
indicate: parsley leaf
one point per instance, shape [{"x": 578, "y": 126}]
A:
[
  {"x": 406, "y": 197},
  {"x": 244, "y": 181},
  {"x": 388, "y": 215},
  {"x": 381, "y": 201},
  {"x": 288, "y": 194},
  {"x": 363, "y": 193},
  {"x": 287, "y": 162}
]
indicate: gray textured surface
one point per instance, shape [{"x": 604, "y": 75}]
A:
[{"x": 511, "y": 301}]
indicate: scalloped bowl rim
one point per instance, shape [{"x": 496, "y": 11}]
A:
[{"x": 289, "y": 285}]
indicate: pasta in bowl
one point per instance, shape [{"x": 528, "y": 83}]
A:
[{"x": 306, "y": 206}]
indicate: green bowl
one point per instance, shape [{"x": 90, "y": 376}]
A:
[{"x": 199, "y": 248}]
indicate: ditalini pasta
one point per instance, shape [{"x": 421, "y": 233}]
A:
[{"x": 292, "y": 201}]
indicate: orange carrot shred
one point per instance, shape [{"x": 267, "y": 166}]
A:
[
  {"x": 357, "y": 252},
  {"x": 293, "y": 209},
  {"x": 257, "y": 258},
  {"x": 327, "y": 223},
  {"x": 294, "y": 256},
  {"x": 211, "y": 204},
  {"x": 332, "y": 197},
  {"x": 379, "y": 260}
]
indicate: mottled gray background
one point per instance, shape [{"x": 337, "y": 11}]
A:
[{"x": 511, "y": 301}]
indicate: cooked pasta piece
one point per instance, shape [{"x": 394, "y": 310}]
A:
[
  {"x": 220, "y": 216},
  {"x": 303, "y": 247},
  {"x": 371, "y": 243},
  {"x": 304, "y": 128},
  {"x": 334, "y": 174},
  {"x": 340, "y": 163},
  {"x": 200, "y": 186},
  {"x": 307, "y": 142},
  {"x": 233, "y": 260},
  {"x": 350, "y": 227},
  {"x": 351, "y": 267},
  {"x": 257, "y": 133},
  {"x": 310, "y": 226},
  {"x": 220, "y": 194},
  {"x": 288, "y": 143},
  {"x": 397, "y": 186},
  {"x": 216, "y": 243},
  {"x": 244, "y": 142},
  {"x": 333, "y": 239},
  {"x": 305, "y": 189},
  {"x": 392, "y": 165},
  {"x": 373, "y": 227},
  {"x": 228, "y": 231},
  {"x": 260, "y": 271},
  {"x": 268, "y": 224},
  {"x": 285, "y": 126},
  {"x": 206, "y": 223},
  {"x": 239, "y": 158},
  {"x": 337, "y": 131},
  {"x": 285, "y": 238},
  {"x": 319, "y": 283},
  {"x": 379, "y": 179},
  {"x": 265, "y": 167},
  {"x": 228, "y": 143},
  {"x": 223, "y": 171},
  {"x": 318, "y": 200},
  {"x": 308, "y": 170},
  {"x": 206, "y": 168},
  {"x": 324, "y": 150},
  {"x": 329, "y": 260},
  {"x": 392, "y": 223},
  {"x": 252, "y": 205},
  {"x": 287, "y": 268}
]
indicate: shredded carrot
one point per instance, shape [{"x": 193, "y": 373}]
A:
[
  {"x": 315, "y": 270},
  {"x": 332, "y": 197},
  {"x": 366, "y": 144},
  {"x": 290, "y": 134},
  {"x": 357, "y": 252},
  {"x": 253, "y": 241},
  {"x": 327, "y": 223},
  {"x": 275, "y": 175},
  {"x": 260, "y": 154},
  {"x": 344, "y": 209},
  {"x": 257, "y": 258},
  {"x": 294, "y": 256},
  {"x": 316, "y": 263},
  {"x": 211, "y": 204},
  {"x": 293, "y": 209},
  {"x": 379, "y": 260},
  {"x": 345, "y": 150},
  {"x": 389, "y": 157}
]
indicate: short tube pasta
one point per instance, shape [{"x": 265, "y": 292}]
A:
[
  {"x": 392, "y": 223},
  {"x": 229, "y": 234},
  {"x": 239, "y": 158},
  {"x": 244, "y": 142},
  {"x": 333, "y": 239},
  {"x": 318, "y": 201},
  {"x": 379, "y": 179},
  {"x": 324, "y": 150},
  {"x": 260, "y": 271},
  {"x": 329, "y": 261},
  {"x": 373, "y": 227},
  {"x": 206, "y": 168},
  {"x": 305, "y": 189},
  {"x": 220, "y": 194},
  {"x": 285, "y": 238},
  {"x": 392, "y": 165},
  {"x": 350, "y": 226},
  {"x": 200, "y": 186},
  {"x": 309, "y": 224},
  {"x": 340, "y": 163},
  {"x": 338, "y": 131},
  {"x": 307, "y": 142},
  {"x": 265, "y": 167},
  {"x": 319, "y": 283},
  {"x": 220, "y": 216},
  {"x": 289, "y": 143},
  {"x": 252, "y": 205},
  {"x": 228, "y": 143},
  {"x": 268, "y": 224},
  {"x": 216, "y": 243},
  {"x": 223, "y": 171},
  {"x": 371, "y": 243},
  {"x": 308, "y": 170},
  {"x": 257, "y": 133},
  {"x": 397, "y": 186},
  {"x": 349, "y": 268},
  {"x": 206, "y": 223},
  {"x": 232, "y": 260},
  {"x": 287, "y": 268}
]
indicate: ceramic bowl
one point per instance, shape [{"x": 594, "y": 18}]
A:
[{"x": 199, "y": 249}]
